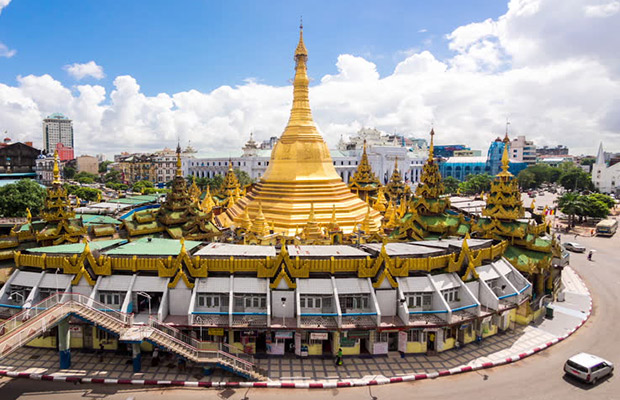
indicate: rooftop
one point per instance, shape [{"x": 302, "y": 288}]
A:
[{"x": 152, "y": 247}]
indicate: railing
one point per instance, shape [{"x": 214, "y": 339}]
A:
[{"x": 47, "y": 312}]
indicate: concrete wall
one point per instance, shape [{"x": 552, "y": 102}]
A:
[
  {"x": 277, "y": 311},
  {"x": 387, "y": 302},
  {"x": 179, "y": 300}
]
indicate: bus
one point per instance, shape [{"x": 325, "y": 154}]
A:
[{"x": 606, "y": 227}]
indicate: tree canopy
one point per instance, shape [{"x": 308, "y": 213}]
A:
[
  {"x": 15, "y": 198},
  {"x": 475, "y": 184},
  {"x": 451, "y": 184}
]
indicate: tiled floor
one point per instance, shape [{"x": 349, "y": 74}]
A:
[{"x": 568, "y": 314}]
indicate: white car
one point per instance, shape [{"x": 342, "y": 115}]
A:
[
  {"x": 587, "y": 367},
  {"x": 575, "y": 247}
]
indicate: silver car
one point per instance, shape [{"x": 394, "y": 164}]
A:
[
  {"x": 575, "y": 247},
  {"x": 587, "y": 367}
]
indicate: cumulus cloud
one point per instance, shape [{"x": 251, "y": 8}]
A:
[
  {"x": 543, "y": 65},
  {"x": 4, "y": 3},
  {"x": 602, "y": 10},
  {"x": 81, "y": 71}
]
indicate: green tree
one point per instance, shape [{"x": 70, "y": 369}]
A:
[
  {"x": 527, "y": 179},
  {"x": 68, "y": 172},
  {"x": 84, "y": 193},
  {"x": 604, "y": 198},
  {"x": 117, "y": 186},
  {"x": 103, "y": 167},
  {"x": 85, "y": 177},
  {"x": 475, "y": 184},
  {"x": 571, "y": 204},
  {"x": 243, "y": 177},
  {"x": 595, "y": 208},
  {"x": 15, "y": 198},
  {"x": 141, "y": 186},
  {"x": 587, "y": 161},
  {"x": 451, "y": 184},
  {"x": 575, "y": 178},
  {"x": 114, "y": 176}
]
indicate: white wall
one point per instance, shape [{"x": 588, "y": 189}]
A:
[
  {"x": 276, "y": 304},
  {"x": 179, "y": 298},
  {"x": 387, "y": 302}
]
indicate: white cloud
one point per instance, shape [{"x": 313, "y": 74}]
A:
[
  {"x": 3, "y": 4},
  {"x": 6, "y": 52},
  {"x": 602, "y": 10},
  {"x": 424, "y": 30},
  {"x": 545, "y": 65},
  {"x": 81, "y": 71}
]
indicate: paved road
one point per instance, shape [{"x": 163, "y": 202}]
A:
[{"x": 537, "y": 377}]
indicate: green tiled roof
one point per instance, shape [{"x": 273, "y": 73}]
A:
[
  {"x": 93, "y": 219},
  {"x": 152, "y": 247},
  {"x": 76, "y": 248},
  {"x": 523, "y": 256}
]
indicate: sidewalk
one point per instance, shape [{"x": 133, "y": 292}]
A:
[{"x": 292, "y": 372}]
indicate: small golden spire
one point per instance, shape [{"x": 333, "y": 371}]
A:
[
  {"x": 207, "y": 203},
  {"x": 431, "y": 148},
  {"x": 179, "y": 169},
  {"x": 246, "y": 222},
  {"x": 56, "y": 180},
  {"x": 505, "y": 159}
]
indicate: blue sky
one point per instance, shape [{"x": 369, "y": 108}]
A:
[
  {"x": 181, "y": 45},
  {"x": 137, "y": 75}
]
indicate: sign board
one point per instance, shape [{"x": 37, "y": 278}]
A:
[
  {"x": 358, "y": 334},
  {"x": 248, "y": 333},
  {"x": 319, "y": 336},
  {"x": 284, "y": 334},
  {"x": 347, "y": 342},
  {"x": 76, "y": 331},
  {"x": 216, "y": 331}
]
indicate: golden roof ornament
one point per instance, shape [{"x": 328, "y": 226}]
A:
[
  {"x": 207, "y": 203},
  {"x": 260, "y": 225},
  {"x": 380, "y": 203},
  {"x": 333, "y": 224},
  {"x": 179, "y": 171},
  {"x": 246, "y": 222},
  {"x": 312, "y": 230},
  {"x": 364, "y": 181},
  {"x": 194, "y": 191},
  {"x": 395, "y": 187}
]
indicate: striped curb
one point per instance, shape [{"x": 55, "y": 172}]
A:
[{"x": 308, "y": 385}]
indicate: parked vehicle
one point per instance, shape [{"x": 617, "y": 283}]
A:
[
  {"x": 587, "y": 367},
  {"x": 574, "y": 247}
]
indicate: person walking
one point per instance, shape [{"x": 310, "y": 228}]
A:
[
  {"x": 590, "y": 255},
  {"x": 339, "y": 357}
]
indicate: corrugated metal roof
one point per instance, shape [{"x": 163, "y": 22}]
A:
[
  {"x": 56, "y": 281},
  {"x": 116, "y": 283},
  {"x": 325, "y": 251},
  {"x": 402, "y": 249},
  {"x": 315, "y": 286},
  {"x": 24, "y": 278},
  {"x": 250, "y": 285},
  {"x": 445, "y": 281},
  {"x": 237, "y": 250},
  {"x": 486, "y": 272},
  {"x": 150, "y": 284},
  {"x": 352, "y": 285},
  {"x": 213, "y": 285},
  {"x": 414, "y": 284}
]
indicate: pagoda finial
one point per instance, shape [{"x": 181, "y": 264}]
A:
[
  {"x": 505, "y": 159},
  {"x": 179, "y": 170},
  {"x": 56, "y": 169},
  {"x": 506, "y": 140},
  {"x": 431, "y": 148}
]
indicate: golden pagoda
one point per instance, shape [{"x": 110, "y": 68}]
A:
[
  {"x": 364, "y": 182},
  {"x": 230, "y": 191},
  {"x": 429, "y": 192},
  {"x": 301, "y": 174},
  {"x": 396, "y": 186},
  {"x": 61, "y": 226},
  {"x": 503, "y": 219}
]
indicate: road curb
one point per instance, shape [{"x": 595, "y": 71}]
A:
[{"x": 308, "y": 385}]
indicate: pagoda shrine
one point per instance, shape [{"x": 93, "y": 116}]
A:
[
  {"x": 364, "y": 182},
  {"x": 301, "y": 176}
]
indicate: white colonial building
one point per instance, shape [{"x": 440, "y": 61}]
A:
[
  {"x": 605, "y": 176},
  {"x": 383, "y": 151}
]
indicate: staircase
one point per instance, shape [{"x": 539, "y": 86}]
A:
[{"x": 32, "y": 322}]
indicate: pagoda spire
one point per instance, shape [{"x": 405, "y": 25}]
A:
[
  {"x": 179, "y": 169},
  {"x": 364, "y": 181},
  {"x": 56, "y": 180},
  {"x": 300, "y": 124},
  {"x": 431, "y": 148},
  {"x": 505, "y": 159}
]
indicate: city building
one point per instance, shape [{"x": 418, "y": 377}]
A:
[
  {"x": 18, "y": 158},
  {"x": 461, "y": 167},
  {"x": 158, "y": 167},
  {"x": 88, "y": 164},
  {"x": 522, "y": 151},
  {"x": 447, "y": 150},
  {"x": 57, "y": 129},
  {"x": 64, "y": 153},
  {"x": 558, "y": 150},
  {"x": 555, "y": 161},
  {"x": 606, "y": 175}
]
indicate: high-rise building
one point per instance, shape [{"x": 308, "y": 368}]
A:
[
  {"x": 57, "y": 129},
  {"x": 522, "y": 151}
]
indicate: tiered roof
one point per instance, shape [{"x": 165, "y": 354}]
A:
[{"x": 364, "y": 181}]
